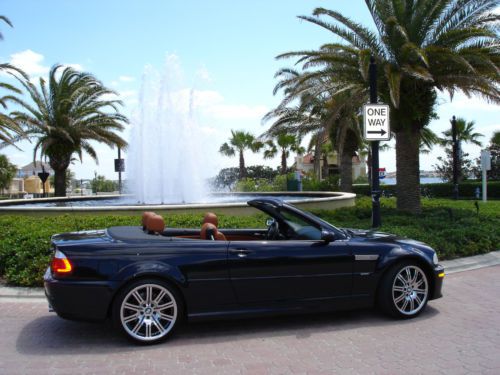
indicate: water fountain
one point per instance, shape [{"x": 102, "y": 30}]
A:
[
  {"x": 167, "y": 165},
  {"x": 166, "y": 157}
]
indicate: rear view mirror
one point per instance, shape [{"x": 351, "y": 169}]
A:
[{"x": 327, "y": 236}]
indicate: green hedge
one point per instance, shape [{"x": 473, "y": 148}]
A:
[
  {"x": 444, "y": 190},
  {"x": 453, "y": 228}
]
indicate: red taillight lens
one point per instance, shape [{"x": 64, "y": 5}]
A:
[{"x": 60, "y": 265}]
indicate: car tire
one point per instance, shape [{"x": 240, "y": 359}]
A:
[
  {"x": 404, "y": 290},
  {"x": 147, "y": 311}
]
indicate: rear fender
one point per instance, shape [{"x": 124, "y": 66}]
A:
[{"x": 150, "y": 269}]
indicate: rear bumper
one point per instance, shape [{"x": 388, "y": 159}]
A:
[
  {"x": 81, "y": 300},
  {"x": 438, "y": 276}
]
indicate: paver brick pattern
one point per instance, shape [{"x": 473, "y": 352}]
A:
[{"x": 458, "y": 334}]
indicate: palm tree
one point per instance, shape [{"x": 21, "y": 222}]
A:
[
  {"x": 420, "y": 46},
  {"x": 10, "y": 131},
  {"x": 66, "y": 115},
  {"x": 465, "y": 133},
  {"x": 239, "y": 142},
  {"x": 286, "y": 143}
]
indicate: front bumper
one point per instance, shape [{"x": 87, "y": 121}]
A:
[
  {"x": 437, "y": 282},
  {"x": 79, "y": 300}
]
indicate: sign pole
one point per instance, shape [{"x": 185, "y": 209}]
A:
[
  {"x": 120, "y": 172},
  {"x": 376, "y": 220}
]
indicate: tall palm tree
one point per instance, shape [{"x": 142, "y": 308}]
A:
[
  {"x": 66, "y": 115},
  {"x": 465, "y": 133},
  {"x": 285, "y": 143},
  {"x": 420, "y": 46},
  {"x": 9, "y": 129},
  {"x": 239, "y": 142}
]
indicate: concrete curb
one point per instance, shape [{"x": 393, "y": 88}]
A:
[{"x": 451, "y": 266}]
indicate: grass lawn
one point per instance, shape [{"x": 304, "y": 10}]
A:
[{"x": 453, "y": 228}]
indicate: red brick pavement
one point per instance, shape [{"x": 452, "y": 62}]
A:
[{"x": 458, "y": 334}]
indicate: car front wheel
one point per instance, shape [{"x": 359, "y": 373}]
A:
[
  {"x": 404, "y": 291},
  {"x": 147, "y": 311}
]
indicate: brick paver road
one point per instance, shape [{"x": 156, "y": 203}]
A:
[{"x": 458, "y": 334}]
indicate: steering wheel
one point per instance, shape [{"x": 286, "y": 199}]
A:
[{"x": 272, "y": 231}]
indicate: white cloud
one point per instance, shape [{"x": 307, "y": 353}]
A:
[
  {"x": 78, "y": 67},
  {"x": 463, "y": 103},
  {"x": 30, "y": 62},
  {"x": 126, "y": 78}
]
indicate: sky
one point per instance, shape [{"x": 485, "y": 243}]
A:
[{"x": 225, "y": 51}]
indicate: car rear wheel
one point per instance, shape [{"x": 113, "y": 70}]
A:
[
  {"x": 404, "y": 291},
  {"x": 147, "y": 311}
]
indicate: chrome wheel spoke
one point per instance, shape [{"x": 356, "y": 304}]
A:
[
  {"x": 160, "y": 296},
  {"x": 402, "y": 279},
  {"x": 138, "y": 325},
  {"x": 138, "y": 297},
  {"x": 166, "y": 317},
  {"x": 398, "y": 289},
  {"x": 130, "y": 306},
  {"x": 149, "y": 293},
  {"x": 130, "y": 318},
  {"x": 165, "y": 306},
  {"x": 400, "y": 298}
]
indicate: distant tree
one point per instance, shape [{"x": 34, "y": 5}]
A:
[
  {"x": 465, "y": 133},
  {"x": 285, "y": 143},
  {"x": 101, "y": 184},
  {"x": 494, "y": 149},
  {"x": 228, "y": 177},
  {"x": 445, "y": 166},
  {"x": 7, "y": 173},
  {"x": 70, "y": 176},
  {"x": 66, "y": 116},
  {"x": 239, "y": 142}
]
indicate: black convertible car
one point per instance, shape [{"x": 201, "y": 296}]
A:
[{"x": 149, "y": 278}]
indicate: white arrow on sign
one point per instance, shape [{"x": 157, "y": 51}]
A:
[{"x": 376, "y": 120}]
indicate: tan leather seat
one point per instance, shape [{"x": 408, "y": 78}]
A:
[
  {"x": 145, "y": 216},
  {"x": 210, "y": 232},
  {"x": 155, "y": 224},
  {"x": 211, "y": 218}
]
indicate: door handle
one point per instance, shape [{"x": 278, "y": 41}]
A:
[{"x": 241, "y": 253}]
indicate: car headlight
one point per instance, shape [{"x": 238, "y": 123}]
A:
[{"x": 435, "y": 259}]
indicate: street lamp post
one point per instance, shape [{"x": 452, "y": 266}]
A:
[{"x": 455, "y": 155}]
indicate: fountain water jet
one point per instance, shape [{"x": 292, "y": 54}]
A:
[{"x": 165, "y": 156}]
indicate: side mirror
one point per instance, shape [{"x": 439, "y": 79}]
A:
[
  {"x": 269, "y": 222},
  {"x": 327, "y": 236}
]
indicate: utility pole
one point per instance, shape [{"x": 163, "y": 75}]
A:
[
  {"x": 456, "y": 164},
  {"x": 376, "y": 220}
]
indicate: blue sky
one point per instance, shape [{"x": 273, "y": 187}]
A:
[{"x": 225, "y": 48}]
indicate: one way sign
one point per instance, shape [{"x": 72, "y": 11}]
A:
[{"x": 376, "y": 119}]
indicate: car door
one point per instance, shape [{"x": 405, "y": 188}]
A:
[{"x": 290, "y": 270}]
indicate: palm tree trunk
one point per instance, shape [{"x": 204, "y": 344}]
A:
[
  {"x": 283, "y": 162},
  {"x": 317, "y": 160},
  {"x": 407, "y": 170},
  {"x": 60, "y": 183},
  {"x": 346, "y": 170},
  {"x": 242, "y": 166}
]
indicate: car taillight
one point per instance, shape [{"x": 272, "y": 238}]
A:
[{"x": 60, "y": 265}]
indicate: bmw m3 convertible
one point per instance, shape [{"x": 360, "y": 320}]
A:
[{"x": 149, "y": 277}]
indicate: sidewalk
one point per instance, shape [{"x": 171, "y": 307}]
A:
[{"x": 450, "y": 266}]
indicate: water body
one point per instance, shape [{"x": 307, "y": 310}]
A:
[{"x": 423, "y": 180}]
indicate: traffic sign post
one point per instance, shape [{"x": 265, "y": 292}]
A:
[{"x": 377, "y": 128}]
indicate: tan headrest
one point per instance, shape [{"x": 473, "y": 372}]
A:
[
  {"x": 155, "y": 224},
  {"x": 145, "y": 216},
  {"x": 211, "y": 218}
]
